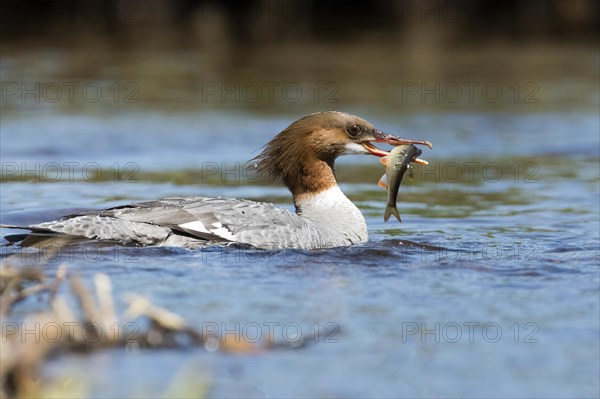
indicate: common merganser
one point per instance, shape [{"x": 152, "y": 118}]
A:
[{"x": 302, "y": 156}]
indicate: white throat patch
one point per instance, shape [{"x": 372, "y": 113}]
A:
[{"x": 354, "y": 148}]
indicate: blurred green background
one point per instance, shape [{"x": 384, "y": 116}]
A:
[{"x": 299, "y": 56}]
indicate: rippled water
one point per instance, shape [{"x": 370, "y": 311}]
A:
[{"x": 489, "y": 287}]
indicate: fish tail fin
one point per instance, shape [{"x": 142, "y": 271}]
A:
[{"x": 391, "y": 210}]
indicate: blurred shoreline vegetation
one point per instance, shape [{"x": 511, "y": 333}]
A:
[
  {"x": 278, "y": 55},
  {"x": 268, "y": 21}
]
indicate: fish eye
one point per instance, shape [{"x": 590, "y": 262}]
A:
[{"x": 353, "y": 130}]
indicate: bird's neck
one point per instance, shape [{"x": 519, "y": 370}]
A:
[{"x": 307, "y": 177}]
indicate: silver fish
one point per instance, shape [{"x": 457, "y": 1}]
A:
[{"x": 396, "y": 165}]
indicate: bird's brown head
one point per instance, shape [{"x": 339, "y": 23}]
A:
[{"x": 303, "y": 155}]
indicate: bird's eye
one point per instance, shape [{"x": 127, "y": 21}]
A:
[{"x": 353, "y": 130}]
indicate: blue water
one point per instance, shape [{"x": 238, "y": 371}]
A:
[{"x": 507, "y": 303}]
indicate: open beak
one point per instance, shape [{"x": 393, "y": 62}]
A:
[{"x": 381, "y": 137}]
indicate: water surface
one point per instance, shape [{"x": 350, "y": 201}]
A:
[{"x": 503, "y": 303}]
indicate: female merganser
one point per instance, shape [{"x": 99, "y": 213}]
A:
[{"x": 302, "y": 157}]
